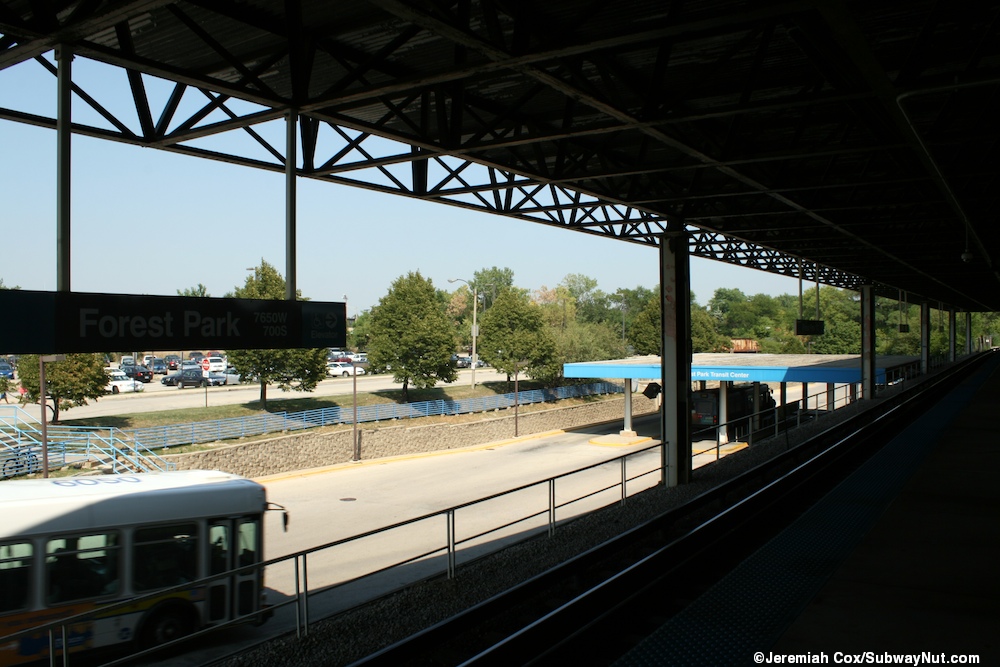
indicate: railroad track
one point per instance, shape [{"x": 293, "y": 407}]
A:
[{"x": 595, "y": 607}]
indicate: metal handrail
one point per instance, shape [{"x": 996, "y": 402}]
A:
[{"x": 449, "y": 547}]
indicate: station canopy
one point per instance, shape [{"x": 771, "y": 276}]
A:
[
  {"x": 850, "y": 142},
  {"x": 723, "y": 367}
]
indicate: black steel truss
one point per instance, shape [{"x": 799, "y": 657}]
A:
[{"x": 848, "y": 143}]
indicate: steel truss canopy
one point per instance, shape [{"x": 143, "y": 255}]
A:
[{"x": 849, "y": 143}]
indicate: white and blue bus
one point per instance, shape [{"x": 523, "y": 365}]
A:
[{"x": 78, "y": 544}]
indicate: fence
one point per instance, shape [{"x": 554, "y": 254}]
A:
[
  {"x": 173, "y": 435},
  {"x": 22, "y": 451},
  {"x": 444, "y": 540}
]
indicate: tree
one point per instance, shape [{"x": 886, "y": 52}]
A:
[
  {"x": 357, "y": 337},
  {"x": 198, "y": 290},
  {"x": 410, "y": 334},
  {"x": 296, "y": 369},
  {"x": 489, "y": 282},
  {"x": 514, "y": 338},
  {"x": 70, "y": 382},
  {"x": 704, "y": 336}
]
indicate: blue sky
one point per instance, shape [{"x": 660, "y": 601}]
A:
[{"x": 150, "y": 222}]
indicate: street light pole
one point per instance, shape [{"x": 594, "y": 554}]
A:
[
  {"x": 475, "y": 325},
  {"x": 475, "y": 332},
  {"x": 44, "y": 403}
]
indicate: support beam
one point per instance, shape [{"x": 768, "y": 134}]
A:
[
  {"x": 64, "y": 134},
  {"x": 675, "y": 357},
  {"x": 925, "y": 338},
  {"x": 867, "y": 342},
  {"x": 291, "y": 159},
  {"x": 952, "y": 335},
  {"x": 968, "y": 334},
  {"x": 627, "y": 430},
  {"x": 723, "y": 435}
]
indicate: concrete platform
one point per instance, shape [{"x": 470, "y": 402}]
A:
[{"x": 896, "y": 564}]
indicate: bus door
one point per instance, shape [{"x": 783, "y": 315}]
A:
[{"x": 233, "y": 543}]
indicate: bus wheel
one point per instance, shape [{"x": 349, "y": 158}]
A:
[{"x": 166, "y": 624}]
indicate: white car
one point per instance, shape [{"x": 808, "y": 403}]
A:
[
  {"x": 343, "y": 368},
  {"x": 216, "y": 365},
  {"x": 119, "y": 383}
]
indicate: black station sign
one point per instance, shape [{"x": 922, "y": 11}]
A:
[
  {"x": 42, "y": 322},
  {"x": 809, "y": 327}
]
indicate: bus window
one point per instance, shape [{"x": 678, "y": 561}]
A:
[
  {"x": 247, "y": 581},
  {"x": 218, "y": 537},
  {"x": 248, "y": 543},
  {"x": 165, "y": 556},
  {"x": 81, "y": 567},
  {"x": 15, "y": 575}
]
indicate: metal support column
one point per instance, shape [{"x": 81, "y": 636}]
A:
[
  {"x": 952, "y": 335},
  {"x": 968, "y": 334},
  {"x": 723, "y": 435},
  {"x": 627, "y": 430},
  {"x": 64, "y": 120},
  {"x": 868, "y": 342},
  {"x": 925, "y": 338},
  {"x": 291, "y": 159},
  {"x": 675, "y": 358}
]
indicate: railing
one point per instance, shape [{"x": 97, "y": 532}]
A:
[
  {"x": 772, "y": 421},
  {"x": 608, "y": 482},
  {"x": 173, "y": 435},
  {"x": 21, "y": 446}
]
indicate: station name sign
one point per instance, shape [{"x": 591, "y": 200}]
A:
[
  {"x": 40, "y": 322},
  {"x": 711, "y": 374}
]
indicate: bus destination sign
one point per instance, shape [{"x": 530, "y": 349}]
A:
[{"x": 39, "y": 322}]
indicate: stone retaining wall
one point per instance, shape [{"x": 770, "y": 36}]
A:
[{"x": 322, "y": 447}]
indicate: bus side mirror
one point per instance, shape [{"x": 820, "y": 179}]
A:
[{"x": 284, "y": 514}]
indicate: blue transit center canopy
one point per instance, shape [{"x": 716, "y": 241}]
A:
[{"x": 727, "y": 367}]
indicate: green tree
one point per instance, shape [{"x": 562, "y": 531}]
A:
[
  {"x": 291, "y": 370},
  {"x": 357, "y": 337},
  {"x": 514, "y": 338},
  {"x": 410, "y": 334},
  {"x": 70, "y": 383},
  {"x": 704, "y": 336},
  {"x": 198, "y": 290},
  {"x": 489, "y": 282},
  {"x": 644, "y": 335}
]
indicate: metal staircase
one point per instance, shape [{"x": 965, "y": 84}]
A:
[{"x": 21, "y": 450}]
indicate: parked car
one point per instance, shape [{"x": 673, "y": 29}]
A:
[
  {"x": 191, "y": 377},
  {"x": 232, "y": 377},
  {"x": 335, "y": 368},
  {"x": 216, "y": 365},
  {"x": 138, "y": 372},
  {"x": 119, "y": 383},
  {"x": 170, "y": 380},
  {"x": 173, "y": 362}
]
